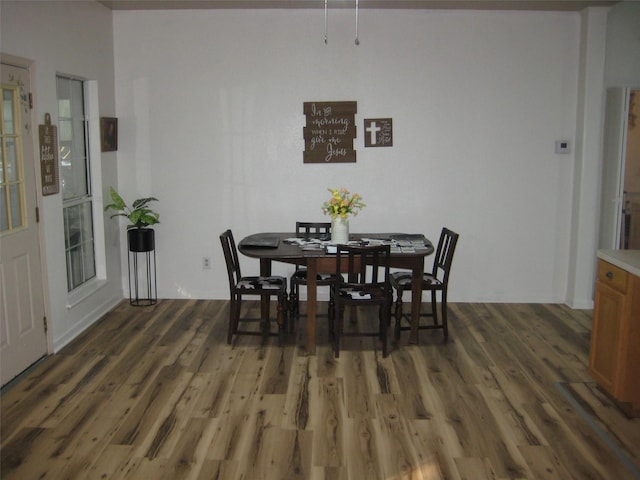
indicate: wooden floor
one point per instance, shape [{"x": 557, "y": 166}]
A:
[{"x": 155, "y": 392}]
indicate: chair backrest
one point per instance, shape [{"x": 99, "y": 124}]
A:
[
  {"x": 364, "y": 265},
  {"x": 444, "y": 255},
  {"x": 309, "y": 230},
  {"x": 231, "y": 258},
  {"x": 313, "y": 227}
]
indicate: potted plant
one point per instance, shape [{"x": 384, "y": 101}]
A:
[{"x": 140, "y": 237}]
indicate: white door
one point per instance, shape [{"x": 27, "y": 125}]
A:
[
  {"x": 23, "y": 337},
  {"x": 615, "y": 128}
]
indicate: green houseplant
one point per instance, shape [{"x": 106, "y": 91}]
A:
[
  {"x": 139, "y": 214},
  {"x": 140, "y": 237}
]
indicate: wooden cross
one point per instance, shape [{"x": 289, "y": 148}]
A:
[{"x": 373, "y": 129}]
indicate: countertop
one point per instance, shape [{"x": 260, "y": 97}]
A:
[{"x": 628, "y": 260}]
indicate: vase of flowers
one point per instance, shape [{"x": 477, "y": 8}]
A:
[{"x": 341, "y": 204}]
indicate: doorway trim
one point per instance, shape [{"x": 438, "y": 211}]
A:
[{"x": 29, "y": 66}]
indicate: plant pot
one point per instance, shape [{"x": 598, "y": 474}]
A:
[{"x": 141, "y": 239}]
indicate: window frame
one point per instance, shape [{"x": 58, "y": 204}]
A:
[{"x": 94, "y": 186}]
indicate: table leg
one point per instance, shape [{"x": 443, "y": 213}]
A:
[
  {"x": 265, "y": 271},
  {"x": 312, "y": 291},
  {"x": 416, "y": 299}
]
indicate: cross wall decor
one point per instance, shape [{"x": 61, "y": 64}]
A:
[{"x": 378, "y": 132}]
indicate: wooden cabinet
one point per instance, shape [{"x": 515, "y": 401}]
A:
[{"x": 614, "y": 359}]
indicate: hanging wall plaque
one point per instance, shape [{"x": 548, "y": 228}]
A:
[
  {"x": 49, "y": 157},
  {"x": 378, "y": 132},
  {"x": 329, "y": 132}
]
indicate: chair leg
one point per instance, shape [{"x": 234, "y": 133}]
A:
[
  {"x": 434, "y": 307},
  {"x": 385, "y": 318},
  {"x": 331, "y": 311},
  {"x": 398, "y": 314},
  {"x": 265, "y": 326},
  {"x": 234, "y": 315},
  {"x": 282, "y": 317},
  {"x": 294, "y": 306},
  {"x": 445, "y": 325},
  {"x": 291, "y": 303},
  {"x": 331, "y": 323},
  {"x": 337, "y": 330},
  {"x": 289, "y": 316}
]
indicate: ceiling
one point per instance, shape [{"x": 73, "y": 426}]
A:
[{"x": 562, "y": 5}]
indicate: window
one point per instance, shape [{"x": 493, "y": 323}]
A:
[{"x": 75, "y": 176}]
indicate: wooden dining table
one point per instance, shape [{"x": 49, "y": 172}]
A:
[{"x": 271, "y": 247}]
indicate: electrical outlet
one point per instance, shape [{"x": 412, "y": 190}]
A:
[
  {"x": 206, "y": 263},
  {"x": 563, "y": 146}
]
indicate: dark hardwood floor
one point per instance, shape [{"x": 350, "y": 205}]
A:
[{"x": 155, "y": 392}]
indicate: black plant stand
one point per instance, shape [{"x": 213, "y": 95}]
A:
[{"x": 142, "y": 253}]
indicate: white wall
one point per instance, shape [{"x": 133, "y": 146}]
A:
[
  {"x": 210, "y": 107},
  {"x": 622, "y": 67},
  {"x": 73, "y": 38}
]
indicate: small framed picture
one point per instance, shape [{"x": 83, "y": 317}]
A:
[
  {"x": 378, "y": 132},
  {"x": 109, "y": 134}
]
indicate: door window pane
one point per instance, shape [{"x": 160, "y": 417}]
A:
[
  {"x": 4, "y": 217},
  {"x": 15, "y": 194},
  {"x": 11, "y": 160},
  {"x": 7, "y": 111},
  {"x": 12, "y": 208}
]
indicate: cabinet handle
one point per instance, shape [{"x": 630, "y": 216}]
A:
[{"x": 609, "y": 275}]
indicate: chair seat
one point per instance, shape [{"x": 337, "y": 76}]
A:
[
  {"x": 364, "y": 293},
  {"x": 262, "y": 283},
  {"x": 300, "y": 276},
  {"x": 403, "y": 281}
]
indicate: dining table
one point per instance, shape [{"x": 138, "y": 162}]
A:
[{"x": 408, "y": 252}]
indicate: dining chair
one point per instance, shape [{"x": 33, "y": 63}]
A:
[
  {"x": 240, "y": 287},
  {"x": 436, "y": 281},
  {"x": 367, "y": 283},
  {"x": 320, "y": 230}
]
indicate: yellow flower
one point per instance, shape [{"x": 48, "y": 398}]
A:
[{"x": 342, "y": 203}]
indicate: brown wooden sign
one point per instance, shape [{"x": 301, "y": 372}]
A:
[
  {"x": 329, "y": 132},
  {"x": 378, "y": 132},
  {"x": 49, "y": 157}
]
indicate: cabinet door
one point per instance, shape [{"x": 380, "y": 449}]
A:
[
  {"x": 605, "y": 336},
  {"x": 629, "y": 378}
]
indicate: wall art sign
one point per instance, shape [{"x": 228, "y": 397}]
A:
[
  {"x": 329, "y": 132},
  {"x": 49, "y": 157},
  {"x": 108, "y": 134},
  {"x": 378, "y": 132}
]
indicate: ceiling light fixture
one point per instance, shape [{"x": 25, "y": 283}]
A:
[
  {"x": 325, "y": 21},
  {"x": 357, "y": 42}
]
